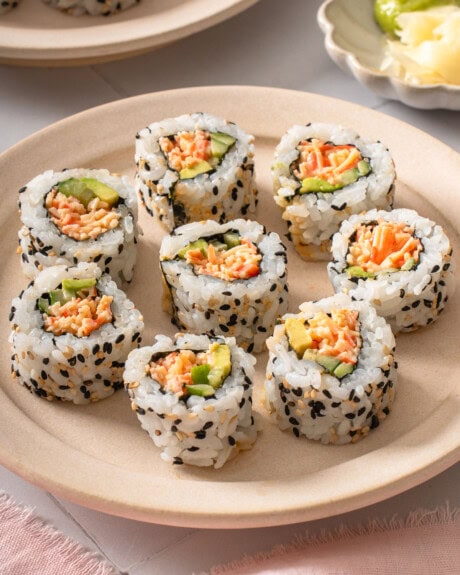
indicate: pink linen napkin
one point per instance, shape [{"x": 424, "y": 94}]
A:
[
  {"x": 29, "y": 546},
  {"x": 427, "y": 543}
]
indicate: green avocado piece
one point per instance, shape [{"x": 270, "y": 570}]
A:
[
  {"x": 218, "y": 246},
  {"x": 328, "y": 362},
  {"x": 358, "y": 272},
  {"x": 221, "y": 365},
  {"x": 43, "y": 305},
  {"x": 102, "y": 191},
  {"x": 199, "y": 168},
  {"x": 221, "y": 143},
  {"x": 232, "y": 239},
  {"x": 363, "y": 167},
  {"x": 408, "y": 265},
  {"x": 343, "y": 369},
  {"x": 201, "y": 389},
  {"x": 76, "y": 285},
  {"x": 350, "y": 176},
  {"x": 298, "y": 337},
  {"x": 59, "y": 295},
  {"x": 199, "y": 373},
  {"x": 77, "y": 189},
  {"x": 224, "y": 138},
  {"x": 386, "y": 12},
  {"x": 199, "y": 244},
  {"x": 317, "y": 185}
]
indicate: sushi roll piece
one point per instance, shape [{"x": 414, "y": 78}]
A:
[
  {"x": 324, "y": 173},
  {"x": 331, "y": 373},
  {"x": 79, "y": 215},
  {"x": 397, "y": 261},
  {"x": 92, "y": 7},
  {"x": 71, "y": 332},
  {"x": 195, "y": 167},
  {"x": 225, "y": 279},
  {"x": 193, "y": 395},
  {"x": 7, "y": 5}
]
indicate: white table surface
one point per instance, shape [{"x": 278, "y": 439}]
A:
[{"x": 274, "y": 43}]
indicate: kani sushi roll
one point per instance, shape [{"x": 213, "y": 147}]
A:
[
  {"x": 193, "y": 395},
  {"x": 322, "y": 174},
  {"x": 225, "y": 279},
  {"x": 7, "y": 5},
  {"x": 92, "y": 7},
  {"x": 331, "y": 373},
  {"x": 195, "y": 167},
  {"x": 79, "y": 215},
  {"x": 71, "y": 332},
  {"x": 397, "y": 261}
]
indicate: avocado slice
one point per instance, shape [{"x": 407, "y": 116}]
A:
[
  {"x": 199, "y": 244},
  {"x": 358, "y": 272},
  {"x": 78, "y": 284},
  {"x": 364, "y": 167},
  {"x": 200, "y": 373},
  {"x": 221, "y": 143},
  {"x": 77, "y": 189},
  {"x": 328, "y": 362},
  {"x": 350, "y": 176},
  {"x": 317, "y": 185},
  {"x": 232, "y": 239},
  {"x": 221, "y": 365},
  {"x": 298, "y": 337},
  {"x": 201, "y": 389},
  {"x": 218, "y": 246},
  {"x": 199, "y": 168},
  {"x": 408, "y": 265},
  {"x": 102, "y": 191},
  {"x": 343, "y": 369}
]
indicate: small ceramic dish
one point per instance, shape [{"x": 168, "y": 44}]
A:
[{"x": 356, "y": 44}]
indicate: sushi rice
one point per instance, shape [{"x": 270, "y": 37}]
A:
[
  {"x": 43, "y": 244},
  {"x": 66, "y": 366},
  {"x": 314, "y": 216},
  {"x": 407, "y": 298},
  {"x": 194, "y": 430},
  {"x": 246, "y": 309},
  {"x": 306, "y": 398},
  {"x": 226, "y": 192}
]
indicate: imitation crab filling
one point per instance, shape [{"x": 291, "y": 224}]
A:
[
  {"x": 186, "y": 372},
  {"x": 83, "y": 208},
  {"x": 326, "y": 167},
  {"x": 330, "y": 339},
  {"x": 75, "y": 308},
  {"x": 194, "y": 153},
  {"x": 225, "y": 256},
  {"x": 382, "y": 247}
]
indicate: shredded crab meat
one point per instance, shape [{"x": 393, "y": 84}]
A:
[
  {"x": 238, "y": 263},
  {"x": 173, "y": 372},
  {"x": 79, "y": 316},
  {"x": 186, "y": 149},
  {"x": 325, "y": 161},
  {"x": 382, "y": 246},
  {"x": 336, "y": 334},
  {"x": 77, "y": 221}
]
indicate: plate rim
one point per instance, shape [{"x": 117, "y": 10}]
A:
[{"x": 111, "y": 41}]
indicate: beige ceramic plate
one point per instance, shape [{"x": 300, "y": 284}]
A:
[
  {"x": 99, "y": 457},
  {"x": 36, "y": 35}
]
